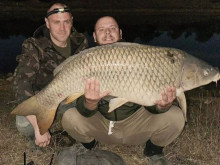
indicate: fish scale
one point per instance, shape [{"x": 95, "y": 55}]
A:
[
  {"x": 160, "y": 72},
  {"x": 131, "y": 72}
]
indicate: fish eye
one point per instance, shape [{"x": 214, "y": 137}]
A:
[{"x": 206, "y": 72}]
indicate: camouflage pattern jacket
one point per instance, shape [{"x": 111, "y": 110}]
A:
[{"x": 38, "y": 60}]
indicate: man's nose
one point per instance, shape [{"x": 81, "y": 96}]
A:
[
  {"x": 107, "y": 31},
  {"x": 62, "y": 26}
]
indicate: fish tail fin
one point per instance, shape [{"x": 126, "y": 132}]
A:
[
  {"x": 45, "y": 119},
  {"x": 27, "y": 107},
  {"x": 44, "y": 116}
]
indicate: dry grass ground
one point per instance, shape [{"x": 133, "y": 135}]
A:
[{"x": 199, "y": 143}]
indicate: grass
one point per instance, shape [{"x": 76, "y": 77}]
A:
[{"x": 199, "y": 143}]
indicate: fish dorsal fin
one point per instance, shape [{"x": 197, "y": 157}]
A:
[
  {"x": 73, "y": 97},
  {"x": 116, "y": 102},
  {"x": 182, "y": 103}
]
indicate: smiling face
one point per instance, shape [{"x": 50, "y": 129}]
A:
[
  {"x": 107, "y": 31},
  {"x": 59, "y": 25}
]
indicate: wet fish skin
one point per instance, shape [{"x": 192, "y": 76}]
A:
[{"x": 131, "y": 72}]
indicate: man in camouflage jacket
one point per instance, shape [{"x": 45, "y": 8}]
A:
[{"x": 50, "y": 45}]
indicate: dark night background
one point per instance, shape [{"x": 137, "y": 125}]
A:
[{"x": 190, "y": 25}]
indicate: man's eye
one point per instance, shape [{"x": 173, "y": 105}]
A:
[
  {"x": 56, "y": 22},
  {"x": 68, "y": 22},
  {"x": 113, "y": 28},
  {"x": 101, "y": 30}
]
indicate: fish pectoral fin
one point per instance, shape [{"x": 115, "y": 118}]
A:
[
  {"x": 116, "y": 102},
  {"x": 182, "y": 103},
  {"x": 73, "y": 97},
  {"x": 45, "y": 120}
]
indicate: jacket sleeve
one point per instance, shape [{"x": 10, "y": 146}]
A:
[
  {"x": 80, "y": 106},
  {"x": 25, "y": 73}
]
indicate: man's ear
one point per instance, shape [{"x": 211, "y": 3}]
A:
[
  {"x": 72, "y": 20},
  {"x": 47, "y": 22},
  {"x": 94, "y": 36},
  {"x": 120, "y": 32}
]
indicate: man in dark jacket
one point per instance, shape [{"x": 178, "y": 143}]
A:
[
  {"x": 156, "y": 126},
  {"x": 51, "y": 44}
]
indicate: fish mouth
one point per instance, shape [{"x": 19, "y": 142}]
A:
[{"x": 218, "y": 76}]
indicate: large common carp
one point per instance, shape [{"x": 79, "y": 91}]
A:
[{"x": 131, "y": 72}]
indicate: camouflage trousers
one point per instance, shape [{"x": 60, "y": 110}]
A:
[{"x": 161, "y": 129}]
